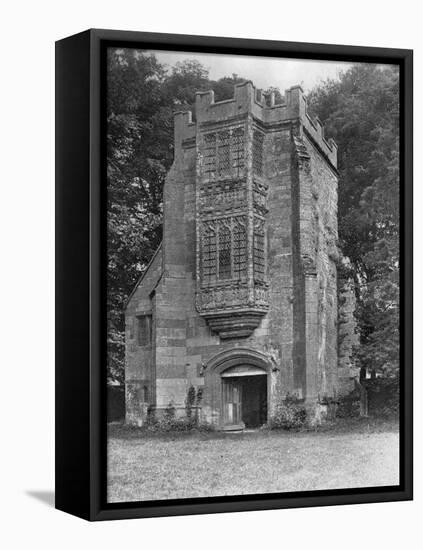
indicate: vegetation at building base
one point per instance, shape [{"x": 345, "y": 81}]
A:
[
  {"x": 338, "y": 412},
  {"x": 384, "y": 397},
  {"x": 349, "y": 405},
  {"x": 360, "y": 110},
  {"x": 290, "y": 414},
  {"x": 191, "y": 421},
  {"x": 172, "y": 423}
]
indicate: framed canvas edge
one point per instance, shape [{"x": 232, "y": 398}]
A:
[{"x": 98, "y": 508}]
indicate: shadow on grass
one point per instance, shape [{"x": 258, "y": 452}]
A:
[{"x": 340, "y": 426}]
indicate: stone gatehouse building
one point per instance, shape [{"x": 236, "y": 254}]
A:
[{"x": 241, "y": 298}]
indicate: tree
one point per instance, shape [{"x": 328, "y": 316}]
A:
[
  {"x": 186, "y": 78},
  {"x": 361, "y": 112},
  {"x": 224, "y": 87},
  {"x": 139, "y": 133}
]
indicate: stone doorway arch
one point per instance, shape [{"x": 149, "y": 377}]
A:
[{"x": 242, "y": 387}]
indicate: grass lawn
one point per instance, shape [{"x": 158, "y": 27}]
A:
[{"x": 143, "y": 466}]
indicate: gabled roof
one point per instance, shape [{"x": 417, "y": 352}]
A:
[{"x": 137, "y": 284}]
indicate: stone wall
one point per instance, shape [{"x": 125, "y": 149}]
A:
[
  {"x": 139, "y": 360},
  {"x": 324, "y": 219},
  {"x": 348, "y": 336},
  {"x": 295, "y": 342},
  {"x": 314, "y": 197}
]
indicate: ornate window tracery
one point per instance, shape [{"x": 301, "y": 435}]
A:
[
  {"x": 223, "y": 153},
  {"x": 240, "y": 251},
  {"x": 210, "y": 154},
  {"x": 259, "y": 259},
  {"x": 209, "y": 254},
  {"x": 259, "y": 256},
  {"x": 224, "y": 244},
  {"x": 238, "y": 150},
  {"x": 225, "y": 252}
]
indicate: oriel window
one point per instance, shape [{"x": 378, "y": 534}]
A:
[{"x": 224, "y": 250}]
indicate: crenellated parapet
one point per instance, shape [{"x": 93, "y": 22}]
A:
[
  {"x": 184, "y": 130},
  {"x": 248, "y": 100}
]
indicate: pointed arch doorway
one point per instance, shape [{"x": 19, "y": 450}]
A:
[
  {"x": 243, "y": 378},
  {"x": 244, "y": 395}
]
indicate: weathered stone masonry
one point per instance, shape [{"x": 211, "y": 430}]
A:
[{"x": 241, "y": 297}]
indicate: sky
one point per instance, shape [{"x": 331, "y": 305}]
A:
[{"x": 263, "y": 71}]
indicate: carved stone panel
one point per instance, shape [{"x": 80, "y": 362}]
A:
[{"x": 231, "y": 230}]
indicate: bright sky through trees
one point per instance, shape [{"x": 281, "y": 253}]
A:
[{"x": 263, "y": 71}]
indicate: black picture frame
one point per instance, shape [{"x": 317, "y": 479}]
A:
[{"x": 80, "y": 251}]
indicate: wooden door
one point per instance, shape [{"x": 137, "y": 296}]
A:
[{"x": 232, "y": 401}]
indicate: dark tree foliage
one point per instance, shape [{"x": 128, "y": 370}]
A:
[
  {"x": 141, "y": 99},
  {"x": 224, "y": 87},
  {"x": 139, "y": 134},
  {"x": 361, "y": 112},
  {"x": 186, "y": 78}
]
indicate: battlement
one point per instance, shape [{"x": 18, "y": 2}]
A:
[{"x": 250, "y": 100}]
